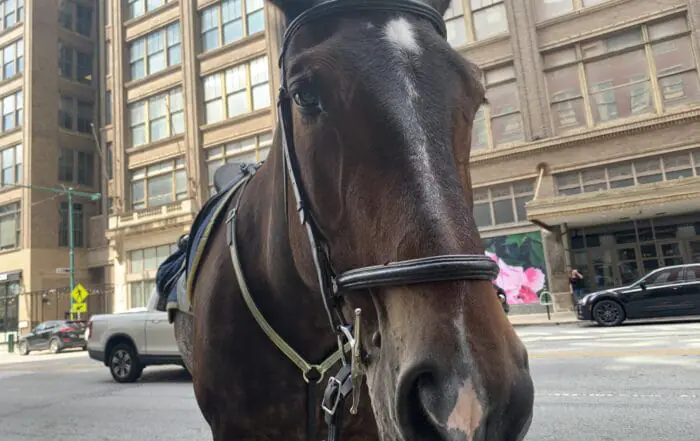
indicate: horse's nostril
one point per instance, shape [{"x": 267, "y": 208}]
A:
[
  {"x": 377, "y": 339},
  {"x": 415, "y": 420}
]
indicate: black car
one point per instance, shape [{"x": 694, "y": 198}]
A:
[
  {"x": 54, "y": 335},
  {"x": 666, "y": 292}
]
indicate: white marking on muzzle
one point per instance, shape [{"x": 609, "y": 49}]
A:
[{"x": 467, "y": 413}]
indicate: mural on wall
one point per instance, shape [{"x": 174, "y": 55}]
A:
[{"x": 520, "y": 258}]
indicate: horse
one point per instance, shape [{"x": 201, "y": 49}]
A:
[{"x": 344, "y": 280}]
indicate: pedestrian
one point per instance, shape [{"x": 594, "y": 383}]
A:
[{"x": 576, "y": 283}]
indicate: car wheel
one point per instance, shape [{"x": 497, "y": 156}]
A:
[
  {"x": 23, "y": 348},
  {"x": 608, "y": 313},
  {"x": 55, "y": 346},
  {"x": 124, "y": 364}
]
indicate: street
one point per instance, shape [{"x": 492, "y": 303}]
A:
[{"x": 636, "y": 382}]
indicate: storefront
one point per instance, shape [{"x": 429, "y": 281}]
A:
[
  {"x": 616, "y": 254},
  {"x": 10, "y": 287}
]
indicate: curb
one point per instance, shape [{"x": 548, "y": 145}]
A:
[{"x": 549, "y": 323}]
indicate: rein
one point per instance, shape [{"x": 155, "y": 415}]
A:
[{"x": 333, "y": 285}]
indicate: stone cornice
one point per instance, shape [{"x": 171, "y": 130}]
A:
[
  {"x": 595, "y": 134},
  {"x": 603, "y": 201}
]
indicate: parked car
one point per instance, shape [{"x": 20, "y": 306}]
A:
[
  {"x": 670, "y": 291},
  {"x": 54, "y": 335},
  {"x": 127, "y": 342}
]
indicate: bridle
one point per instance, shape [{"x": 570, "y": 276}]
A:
[{"x": 333, "y": 285}]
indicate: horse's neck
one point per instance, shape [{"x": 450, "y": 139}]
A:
[{"x": 291, "y": 306}]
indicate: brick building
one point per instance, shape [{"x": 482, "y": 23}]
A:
[{"x": 587, "y": 155}]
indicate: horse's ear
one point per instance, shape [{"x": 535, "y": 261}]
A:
[
  {"x": 292, "y": 8},
  {"x": 440, "y": 5}
]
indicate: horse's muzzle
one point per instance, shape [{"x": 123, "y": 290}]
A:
[{"x": 431, "y": 406}]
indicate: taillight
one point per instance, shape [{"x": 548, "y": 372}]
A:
[{"x": 66, "y": 329}]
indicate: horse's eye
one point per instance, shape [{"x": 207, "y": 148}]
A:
[{"x": 307, "y": 99}]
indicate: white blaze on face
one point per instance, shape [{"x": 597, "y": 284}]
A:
[
  {"x": 401, "y": 36},
  {"x": 467, "y": 413}
]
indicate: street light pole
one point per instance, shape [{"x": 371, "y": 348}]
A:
[
  {"x": 71, "y": 248},
  {"x": 69, "y": 192}
]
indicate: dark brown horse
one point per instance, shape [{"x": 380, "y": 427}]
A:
[{"x": 374, "y": 108}]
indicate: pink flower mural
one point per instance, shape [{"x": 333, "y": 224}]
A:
[{"x": 520, "y": 284}]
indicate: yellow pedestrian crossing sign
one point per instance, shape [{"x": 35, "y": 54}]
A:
[
  {"x": 79, "y": 307},
  {"x": 79, "y": 294}
]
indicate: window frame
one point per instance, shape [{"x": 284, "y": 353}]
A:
[
  {"x": 217, "y": 9},
  {"x": 144, "y": 175},
  {"x": 167, "y": 49},
  {"x": 514, "y": 196},
  {"x": 485, "y": 117},
  {"x": 18, "y": 13},
  {"x": 579, "y": 61},
  {"x": 261, "y": 144},
  {"x": 464, "y": 17},
  {"x": 12, "y": 209},
  {"x": 17, "y": 111},
  {"x": 222, "y": 78},
  {"x": 17, "y": 60},
  {"x": 17, "y": 165},
  {"x": 78, "y": 225},
  {"x": 169, "y": 116}
]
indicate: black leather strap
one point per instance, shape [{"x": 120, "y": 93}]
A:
[{"x": 424, "y": 270}]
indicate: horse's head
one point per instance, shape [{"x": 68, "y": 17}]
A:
[{"x": 382, "y": 106}]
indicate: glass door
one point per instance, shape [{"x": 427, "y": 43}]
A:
[
  {"x": 627, "y": 265},
  {"x": 671, "y": 253}
]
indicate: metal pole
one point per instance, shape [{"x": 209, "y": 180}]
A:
[{"x": 71, "y": 250}]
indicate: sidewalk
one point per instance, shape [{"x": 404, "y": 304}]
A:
[
  {"x": 7, "y": 358},
  {"x": 556, "y": 318}
]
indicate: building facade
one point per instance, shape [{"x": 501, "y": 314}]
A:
[
  {"x": 48, "y": 91},
  {"x": 593, "y": 109},
  {"x": 587, "y": 155}
]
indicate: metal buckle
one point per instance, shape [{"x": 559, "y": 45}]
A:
[{"x": 332, "y": 393}]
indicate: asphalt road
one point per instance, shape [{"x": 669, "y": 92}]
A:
[{"x": 626, "y": 384}]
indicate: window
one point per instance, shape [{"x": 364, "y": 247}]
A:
[
  {"x": 158, "y": 184},
  {"x": 142, "y": 261},
  {"x": 610, "y": 79},
  {"x": 69, "y": 57},
  {"x": 236, "y": 91},
  {"x": 137, "y": 8},
  {"x": 78, "y": 226},
  {"x": 664, "y": 277},
  {"x": 155, "y": 52},
  {"x": 149, "y": 259},
  {"x": 10, "y": 226},
  {"x": 12, "y": 111},
  {"x": 65, "y": 60},
  {"x": 248, "y": 150},
  {"x": 110, "y": 160},
  {"x": 76, "y": 166},
  {"x": 155, "y": 118},
  {"x": 108, "y": 107},
  {"x": 84, "y": 67},
  {"x": 546, "y": 9},
  {"x": 499, "y": 122},
  {"x": 12, "y": 59},
  {"x": 75, "y": 115},
  {"x": 11, "y": 12},
  {"x": 65, "y": 164},
  {"x": 641, "y": 171},
  {"x": 229, "y": 21},
  {"x": 11, "y": 160},
  {"x": 85, "y": 116},
  {"x": 484, "y": 19},
  {"x": 76, "y": 17},
  {"x": 502, "y": 204}
]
